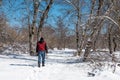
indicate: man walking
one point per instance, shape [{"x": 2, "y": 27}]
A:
[{"x": 41, "y": 49}]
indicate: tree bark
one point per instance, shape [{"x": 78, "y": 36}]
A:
[
  {"x": 87, "y": 50},
  {"x": 109, "y": 40},
  {"x": 32, "y": 29},
  {"x": 77, "y": 29},
  {"x": 44, "y": 15},
  {"x": 115, "y": 44}
]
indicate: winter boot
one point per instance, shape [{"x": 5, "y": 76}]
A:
[
  {"x": 38, "y": 64},
  {"x": 43, "y": 64}
]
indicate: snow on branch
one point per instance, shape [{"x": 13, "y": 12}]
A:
[
  {"x": 112, "y": 20},
  {"x": 109, "y": 18}
]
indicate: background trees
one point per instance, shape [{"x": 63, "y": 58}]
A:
[{"x": 73, "y": 25}]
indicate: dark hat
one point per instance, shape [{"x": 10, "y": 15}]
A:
[{"x": 41, "y": 39}]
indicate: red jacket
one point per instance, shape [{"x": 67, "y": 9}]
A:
[{"x": 41, "y": 46}]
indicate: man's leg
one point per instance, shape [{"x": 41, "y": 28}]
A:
[
  {"x": 43, "y": 58},
  {"x": 39, "y": 58}
]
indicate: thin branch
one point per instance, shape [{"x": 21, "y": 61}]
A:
[{"x": 71, "y": 4}]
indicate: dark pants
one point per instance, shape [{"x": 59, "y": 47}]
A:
[{"x": 41, "y": 57}]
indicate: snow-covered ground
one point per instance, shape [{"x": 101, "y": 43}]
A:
[{"x": 60, "y": 65}]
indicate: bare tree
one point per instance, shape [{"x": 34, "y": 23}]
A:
[
  {"x": 49, "y": 36},
  {"x": 32, "y": 29},
  {"x": 61, "y": 33},
  {"x": 76, "y": 12},
  {"x": 97, "y": 27},
  {"x": 42, "y": 18}
]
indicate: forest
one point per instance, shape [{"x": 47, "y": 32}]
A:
[
  {"x": 90, "y": 25},
  {"x": 82, "y": 36}
]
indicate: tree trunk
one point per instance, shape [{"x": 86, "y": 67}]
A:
[
  {"x": 87, "y": 50},
  {"x": 89, "y": 43},
  {"x": 115, "y": 44},
  {"x": 77, "y": 30},
  {"x": 77, "y": 40},
  {"x": 109, "y": 41},
  {"x": 32, "y": 30},
  {"x": 43, "y": 18}
]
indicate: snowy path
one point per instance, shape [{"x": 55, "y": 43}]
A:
[{"x": 60, "y": 65}]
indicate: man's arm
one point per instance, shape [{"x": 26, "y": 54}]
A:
[
  {"x": 37, "y": 48},
  {"x": 46, "y": 48}
]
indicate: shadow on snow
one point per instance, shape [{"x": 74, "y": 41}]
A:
[{"x": 31, "y": 65}]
